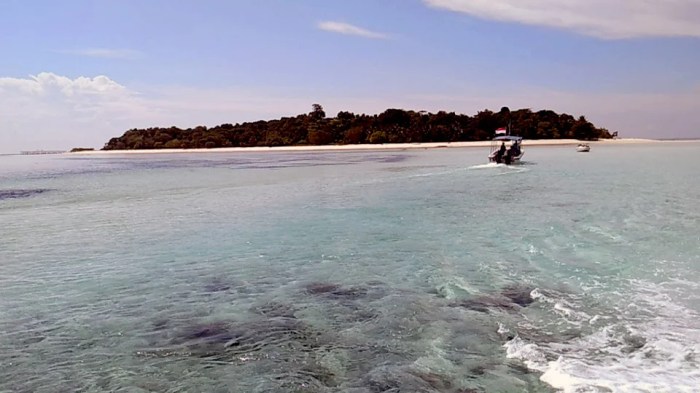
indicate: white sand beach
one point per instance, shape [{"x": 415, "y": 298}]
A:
[{"x": 384, "y": 146}]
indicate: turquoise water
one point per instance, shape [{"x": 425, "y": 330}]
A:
[{"x": 399, "y": 271}]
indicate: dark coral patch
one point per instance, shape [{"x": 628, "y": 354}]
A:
[
  {"x": 217, "y": 284},
  {"x": 224, "y": 341},
  {"x": 486, "y": 303},
  {"x": 319, "y": 288},
  {"x": 509, "y": 299},
  {"x": 400, "y": 379},
  {"x": 338, "y": 292},
  {"x": 16, "y": 194},
  {"x": 519, "y": 295},
  {"x": 213, "y": 333}
]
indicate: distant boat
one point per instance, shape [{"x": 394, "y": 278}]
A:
[{"x": 583, "y": 148}]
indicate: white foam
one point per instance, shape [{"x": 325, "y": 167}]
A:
[
  {"x": 533, "y": 250},
  {"x": 604, "y": 233},
  {"x": 649, "y": 344},
  {"x": 430, "y": 174},
  {"x": 575, "y": 376},
  {"x": 505, "y": 169},
  {"x": 566, "y": 310},
  {"x": 536, "y": 294},
  {"x": 488, "y": 166},
  {"x": 528, "y": 353},
  {"x": 454, "y": 288}
]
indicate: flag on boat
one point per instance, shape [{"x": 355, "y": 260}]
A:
[{"x": 501, "y": 131}]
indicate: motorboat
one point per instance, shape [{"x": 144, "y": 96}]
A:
[
  {"x": 583, "y": 148},
  {"x": 506, "y": 149}
]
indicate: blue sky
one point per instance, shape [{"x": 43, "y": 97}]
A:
[{"x": 75, "y": 73}]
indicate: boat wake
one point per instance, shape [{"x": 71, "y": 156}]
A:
[
  {"x": 503, "y": 168},
  {"x": 655, "y": 351},
  {"x": 488, "y": 166}
]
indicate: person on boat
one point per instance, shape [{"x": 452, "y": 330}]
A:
[
  {"x": 514, "y": 150},
  {"x": 501, "y": 152}
]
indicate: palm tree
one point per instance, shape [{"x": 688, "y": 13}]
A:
[{"x": 505, "y": 112}]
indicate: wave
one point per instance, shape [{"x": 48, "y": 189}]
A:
[
  {"x": 504, "y": 169},
  {"x": 488, "y": 166},
  {"x": 647, "y": 345}
]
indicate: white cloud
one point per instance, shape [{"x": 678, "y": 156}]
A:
[
  {"x": 54, "y": 111},
  {"x": 348, "y": 29},
  {"x": 49, "y": 83},
  {"x": 105, "y": 53},
  {"x": 611, "y": 19},
  {"x": 49, "y": 111}
]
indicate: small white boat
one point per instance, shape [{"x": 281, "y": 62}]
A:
[{"x": 583, "y": 148}]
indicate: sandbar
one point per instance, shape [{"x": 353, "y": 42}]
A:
[{"x": 382, "y": 146}]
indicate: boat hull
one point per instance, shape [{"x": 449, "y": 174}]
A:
[
  {"x": 505, "y": 159},
  {"x": 503, "y": 149}
]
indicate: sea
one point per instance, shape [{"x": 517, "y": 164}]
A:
[{"x": 422, "y": 270}]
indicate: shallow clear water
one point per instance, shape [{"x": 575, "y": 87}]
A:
[{"x": 416, "y": 270}]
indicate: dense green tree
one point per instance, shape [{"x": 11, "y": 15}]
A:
[
  {"x": 354, "y": 135},
  {"x": 393, "y": 126},
  {"x": 317, "y": 112},
  {"x": 378, "y": 137},
  {"x": 582, "y": 129}
]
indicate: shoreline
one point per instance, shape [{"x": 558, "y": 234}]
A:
[{"x": 371, "y": 147}]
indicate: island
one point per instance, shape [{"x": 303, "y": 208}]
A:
[{"x": 346, "y": 128}]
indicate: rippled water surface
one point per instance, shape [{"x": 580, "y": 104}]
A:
[{"x": 395, "y": 271}]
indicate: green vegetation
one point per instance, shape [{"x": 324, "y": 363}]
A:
[
  {"x": 391, "y": 126},
  {"x": 79, "y": 149}
]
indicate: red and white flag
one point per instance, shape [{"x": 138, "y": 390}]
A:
[{"x": 501, "y": 131}]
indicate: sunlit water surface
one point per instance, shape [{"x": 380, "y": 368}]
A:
[{"x": 396, "y": 271}]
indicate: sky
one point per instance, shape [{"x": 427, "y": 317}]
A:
[{"x": 79, "y": 72}]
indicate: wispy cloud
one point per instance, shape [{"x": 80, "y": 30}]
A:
[
  {"x": 599, "y": 18},
  {"x": 125, "y": 54},
  {"x": 348, "y": 29}
]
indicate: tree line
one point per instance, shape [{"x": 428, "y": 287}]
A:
[{"x": 390, "y": 126}]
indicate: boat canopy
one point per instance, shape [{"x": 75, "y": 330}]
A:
[{"x": 508, "y": 138}]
